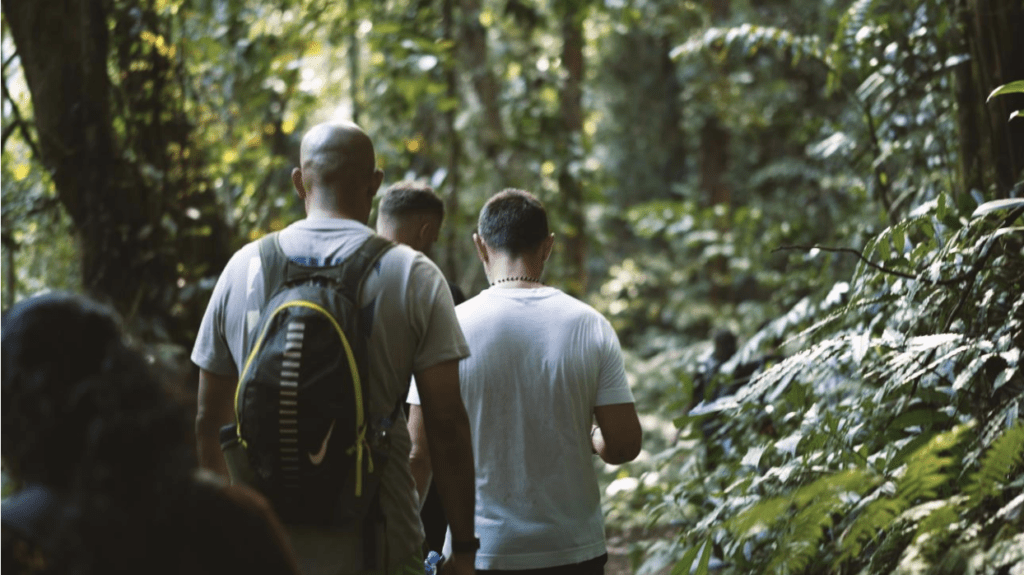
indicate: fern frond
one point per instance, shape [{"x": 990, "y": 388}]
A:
[
  {"x": 1005, "y": 455},
  {"x": 750, "y": 39},
  {"x": 967, "y": 375},
  {"x": 767, "y": 513},
  {"x": 814, "y": 505},
  {"x": 852, "y": 21},
  {"x": 924, "y": 473},
  {"x": 852, "y": 309},
  {"x": 758, "y": 518},
  {"x": 942, "y": 517},
  {"x": 872, "y": 521},
  {"x": 800, "y": 543},
  {"x": 934, "y": 364},
  {"x": 846, "y": 37},
  {"x": 779, "y": 376}
]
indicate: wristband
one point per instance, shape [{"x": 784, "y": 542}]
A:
[{"x": 469, "y": 546}]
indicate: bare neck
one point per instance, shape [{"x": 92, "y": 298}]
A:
[{"x": 515, "y": 271}]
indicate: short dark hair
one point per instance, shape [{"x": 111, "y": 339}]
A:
[
  {"x": 408, "y": 197},
  {"x": 513, "y": 221}
]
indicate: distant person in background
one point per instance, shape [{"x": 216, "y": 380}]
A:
[
  {"x": 103, "y": 458},
  {"x": 411, "y": 213},
  {"x": 542, "y": 367}
]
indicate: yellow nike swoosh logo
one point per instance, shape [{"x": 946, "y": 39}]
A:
[{"x": 318, "y": 457}]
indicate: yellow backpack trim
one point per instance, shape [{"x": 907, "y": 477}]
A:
[{"x": 360, "y": 426}]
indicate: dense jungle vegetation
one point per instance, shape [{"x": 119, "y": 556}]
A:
[{"x": 804, "y": 218}]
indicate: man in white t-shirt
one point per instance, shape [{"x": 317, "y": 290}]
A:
[
  {"x": 542, "y": 367},
  {"x": 412, "y": 330}
]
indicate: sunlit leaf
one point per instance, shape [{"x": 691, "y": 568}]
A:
[
  {"x": 997, "y": 206},
  {"x": 1016, "y": 87}
]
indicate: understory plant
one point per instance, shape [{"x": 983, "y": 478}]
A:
[{"x": 886, "y": 436}]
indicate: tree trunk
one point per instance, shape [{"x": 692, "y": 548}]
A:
[
  {"x": 714, "y": 162},
  {"x": 714, "y": 165},
  {"x": 353, "y": 62},
  {"x": 454, "y": 178},
  {"x": 672, "y": 137},
  {"x": 569, "y": 186},
  {"x": 473, "y": 53},
  {"x": 140, "y": 236},
  {"x": 994, "y": 39}
]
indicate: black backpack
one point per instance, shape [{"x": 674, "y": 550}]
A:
[{"x": 301, "y": 420}]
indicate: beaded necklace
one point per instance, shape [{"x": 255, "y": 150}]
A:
[{"x": 517, "y": 279}]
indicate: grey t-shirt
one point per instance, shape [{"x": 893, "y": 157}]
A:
[{"x": 414, "y": 327}]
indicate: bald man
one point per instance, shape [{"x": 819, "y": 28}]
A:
[{"x": 412, "y": 331}]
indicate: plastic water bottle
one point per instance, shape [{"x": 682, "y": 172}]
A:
[{"x": 431, "y": 563}]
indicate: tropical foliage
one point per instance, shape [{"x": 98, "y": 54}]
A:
[{"x": 805, "y": 220}]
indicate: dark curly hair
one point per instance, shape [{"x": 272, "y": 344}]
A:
[
  {"x": 77, "y": 399},
  {"x": 83, "y": 416}
]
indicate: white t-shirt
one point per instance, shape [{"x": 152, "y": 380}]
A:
[
  {"x": 413, "y": 327},
  {"x": 540, "y": 362}
]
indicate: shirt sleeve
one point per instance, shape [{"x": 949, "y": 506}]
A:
[
  {"x": 432, "y": 313},
  {"x": 612, "y": 385},
  {"x": 211, "y": 351}
]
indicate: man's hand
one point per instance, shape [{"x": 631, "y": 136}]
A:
[
  {"x": 451, "y": 448},
  {"x": 215, "y": 409},
  {"x": 459, "y": 564}
]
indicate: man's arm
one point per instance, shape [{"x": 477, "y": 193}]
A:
[
  {"x": 451, "y": 450},
  {"x": 619, "y": 436},
  {"x": 215, "y": 409},
  {"x": 419, "y": 455}
]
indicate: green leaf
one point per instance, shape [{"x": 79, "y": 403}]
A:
[
  {"x": 997, "y": 206},
  {"x": 686, "y": 563},
  {"x": 899, "y": 238},
  {"x": 1011, "y": 88},
  {"x": 922, "y": 417},
  {"x": 705, "y": 558},
  {"x": 941, "y": 208},
  {"x": 884, "y": 249}
]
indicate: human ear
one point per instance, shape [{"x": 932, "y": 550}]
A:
[
  {"x": 300, "y": 188},
  {"x": 375, "y": 181},
  {"x": 481, "y": 250},
  {"x": 429, "y": 230},
  {"x": 547, "y": 245}
]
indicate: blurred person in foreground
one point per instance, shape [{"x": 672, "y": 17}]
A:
[
  {"x": 543, "y": 367},
  {"x": 412, "y": 329},
  {"x": 411, "y": 213},
  {"x": 108, "y": 479}
]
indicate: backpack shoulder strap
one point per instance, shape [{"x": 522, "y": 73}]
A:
[
  {"x": 274, "y": 264},
  {"x": 357, "y": 266}
]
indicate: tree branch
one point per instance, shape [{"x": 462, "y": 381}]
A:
[
  {"x": 870, "y": 263},
  {"x": 7, "y": 62},
  {"x": 6, "y": 134},
  {"x": 917, "y": 277},
  {"x": 19, "y": 121}
]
